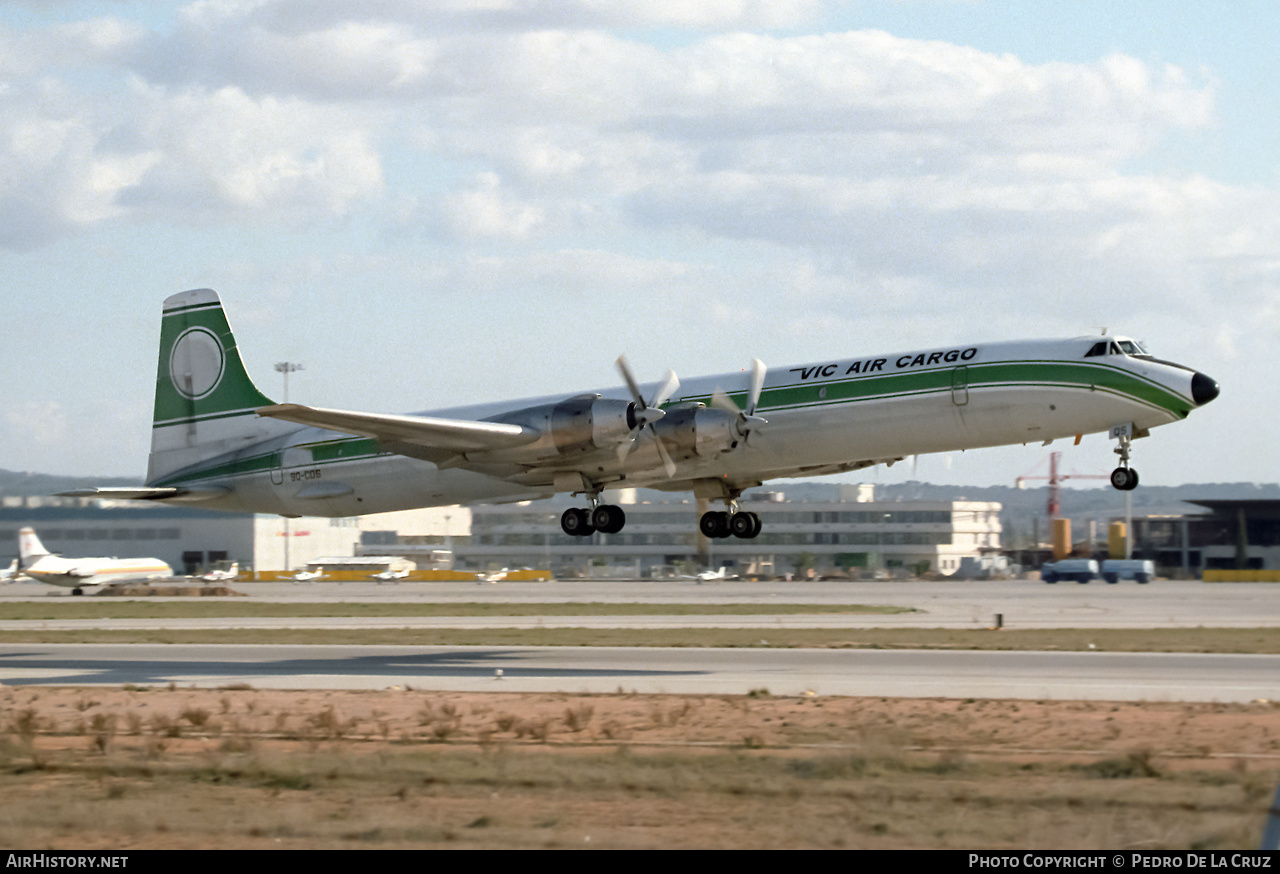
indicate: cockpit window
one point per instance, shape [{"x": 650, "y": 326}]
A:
[{"x": 1117, "y": 347}]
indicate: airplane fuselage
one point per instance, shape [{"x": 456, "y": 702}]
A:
[
  {"x": 74, "y": 573},
  {"x": 826, "y": 417}
]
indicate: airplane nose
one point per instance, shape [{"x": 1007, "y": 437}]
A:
[{"x": 1203, "y": 389}]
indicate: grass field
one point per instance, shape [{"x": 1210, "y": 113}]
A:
[
  {"x": 165, "y": 767},
  {"x": 1197, "y": 640},
  {"x": 198, "y": 609},
  {"x": 160, "y": 767}
]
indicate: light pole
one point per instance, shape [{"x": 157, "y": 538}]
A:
[{"x": 285, "y": 368}]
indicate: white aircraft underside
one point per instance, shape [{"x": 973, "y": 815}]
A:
[{"x": 219, "y": 442}]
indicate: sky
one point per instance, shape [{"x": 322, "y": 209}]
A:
[{"x": 430, "y": 204}]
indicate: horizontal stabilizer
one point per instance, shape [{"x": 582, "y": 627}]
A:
[
  {"x": 447, "y": 435},
  {"x": 143, "y": 493}
]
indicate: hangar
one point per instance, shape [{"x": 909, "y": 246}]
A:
[{"x": 190, "y": 540}]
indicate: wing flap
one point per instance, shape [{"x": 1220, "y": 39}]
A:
[{"x": 455, "y": 436}]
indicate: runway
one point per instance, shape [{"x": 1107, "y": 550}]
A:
[
  {"x": 886, "y": 673},
  {"x": 878, "y": 673}
]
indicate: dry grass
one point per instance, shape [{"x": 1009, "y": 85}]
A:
[{"x": 165, "y": 768}]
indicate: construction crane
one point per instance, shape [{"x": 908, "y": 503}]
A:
[{"x": 1055, "y": 480}]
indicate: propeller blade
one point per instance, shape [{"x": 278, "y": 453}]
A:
[
  {"x": 646, "y": 413},
  {"x": 630, "y": 380},
  {"x": 667, "y": 389},
  {"x": 625, "y": 447},
  {"x": 758, "y": 371},
  {"x": 667, "y": 464},
  {"x": 721, "y": 401}
]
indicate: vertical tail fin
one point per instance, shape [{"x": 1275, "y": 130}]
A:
[
  {"x": 29, "y": 547},
  {"x": 205, "y": 399}
]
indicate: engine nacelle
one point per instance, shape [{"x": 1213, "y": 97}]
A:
[
  {"x": 698, "y": 430},
  {"x": 576, "y": 426}
]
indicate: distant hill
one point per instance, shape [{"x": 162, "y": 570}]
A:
[{"x": 13, "y": 483}]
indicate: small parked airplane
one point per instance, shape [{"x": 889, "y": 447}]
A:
[
  {"x": 76, "y": 573},
  {"x": 708, "y": 576},
  {"x": 308, "y": 576},
  {"x": 390, "y": 575},
  {"x": 11, "y": 573},
  {"x": 218, "y": 576},
  {"x": 218, "y": 442}
]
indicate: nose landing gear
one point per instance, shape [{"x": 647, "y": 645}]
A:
[{"x": 1123, "y": 477}]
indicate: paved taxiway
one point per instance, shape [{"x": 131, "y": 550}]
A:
[
  {"x": 888, "y": 673},
  {"x": 1022, "y": 603}
]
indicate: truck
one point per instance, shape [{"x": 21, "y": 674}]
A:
[
  {"x": 1114, "y": 570},
  {"x": 1082, "y": 570}
]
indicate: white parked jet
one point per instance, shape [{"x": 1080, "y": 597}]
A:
[
  {"x": 218, "y": 442},
  {"x": 76, "y": 573}
]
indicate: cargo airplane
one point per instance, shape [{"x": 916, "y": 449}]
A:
[
  {"x": 218, "y": 442},
  {"x": 76, "y": 573}
]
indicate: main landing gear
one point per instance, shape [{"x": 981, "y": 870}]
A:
[
  {"x": 1124, "y": 477},
  {"x": 583, "y": 522},
  {"x": 717, "y": 525},
  {"x": 609, "y": 519}
]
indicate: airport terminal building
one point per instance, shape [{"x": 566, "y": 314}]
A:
[{"x": 856, "y": 535}]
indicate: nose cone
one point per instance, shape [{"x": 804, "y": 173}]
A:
[{"x": 1203, "y": 389}]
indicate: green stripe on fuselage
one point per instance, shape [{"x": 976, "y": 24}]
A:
[
  {"x": 824, "y": 392},
  {"x": 1018, "y": 374},
  {"x": 327, "y": 452}
]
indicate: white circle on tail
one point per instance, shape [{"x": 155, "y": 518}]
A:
[{"x": 196, "y": 363}]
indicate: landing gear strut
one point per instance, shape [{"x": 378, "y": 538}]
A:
[{"x": 1124, "y": 477}]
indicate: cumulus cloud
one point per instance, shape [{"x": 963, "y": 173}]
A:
[
  {"x": 484, "y": 211},
  {"x": 40, "y": 422},
  {"x": 227, "y": 151},
  {"x": 899, "y": 163}
]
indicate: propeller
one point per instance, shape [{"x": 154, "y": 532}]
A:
[
  {"x": 747, "y": 419},
  {"x": 646, "y": 413}
]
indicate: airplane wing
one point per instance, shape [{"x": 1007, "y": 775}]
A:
[{"x": 418, "y": 436}]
